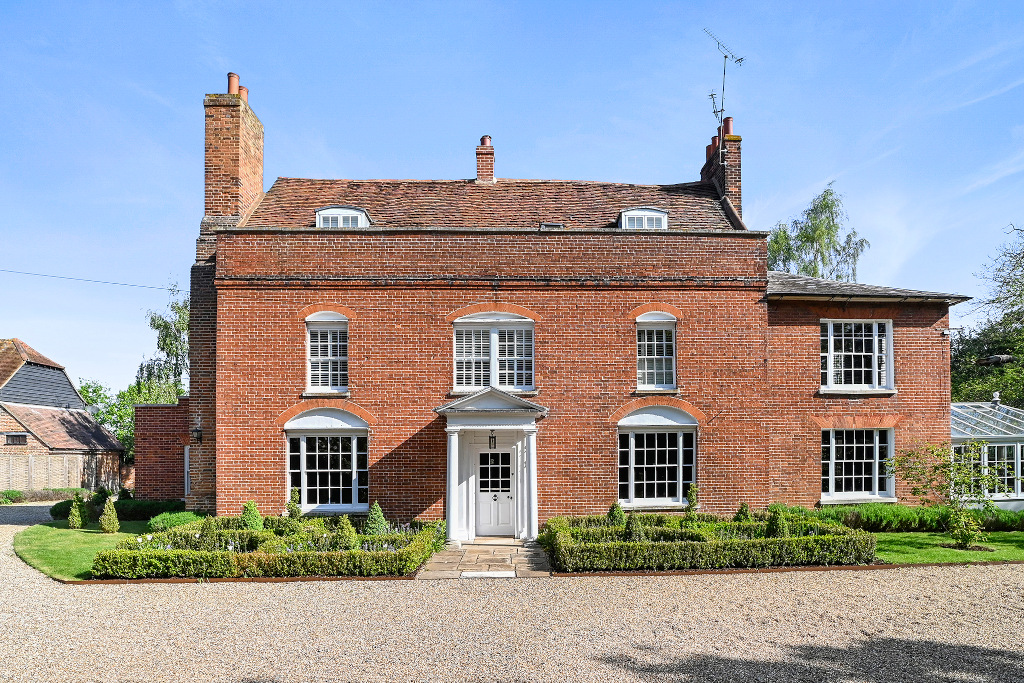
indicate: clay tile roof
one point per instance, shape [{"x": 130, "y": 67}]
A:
[
  {"x": 789, "y": 286},
  {"x": 14, "y": 353},
  {"x": 64, "y": 429},
  {"x": 505, "y": 204}
]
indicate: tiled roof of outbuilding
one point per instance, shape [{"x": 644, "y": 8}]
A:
[
  {"x": 14, "y": 353},
  {"x": 786, "y": 286},
  {"x": 505, "y": 204},
  {"x": 63, "y": 429}
]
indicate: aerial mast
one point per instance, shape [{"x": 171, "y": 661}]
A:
[{"x": 718, "y": 102}]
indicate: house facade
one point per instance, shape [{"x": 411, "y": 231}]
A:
[
  {"x": 48, "y": 439},
  {"x": 498, "y": 351}
]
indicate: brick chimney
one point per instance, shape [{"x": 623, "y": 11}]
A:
[
  {"x": 234, "y": 153},
  {"x": 723, "y": 166},
  {"x": 485, "y": 161}
]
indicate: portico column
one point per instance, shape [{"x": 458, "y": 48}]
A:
[
  {"x": 532, "y": 511},
  {"x": 453, "y": 480}
]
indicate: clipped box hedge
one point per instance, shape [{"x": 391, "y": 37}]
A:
[
  {"x": 587, "y": 547},
  {"x": 150, "y": 558}
]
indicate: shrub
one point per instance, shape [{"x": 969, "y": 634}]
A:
[
  {"x": 75, "y": 520},
  {"x": 693, "y": 497},
  {"x": 13, "y": 496},
  {"x": 375, "y": 524},
  {"x": 141, "y": 510},
  {"x": 964, "y": 528},
  {"x": 778, "y": 523},
  {"x": 743, "y": 514},
  {"x": 264, "y": 554},
  {"x": 61, "y": 510},
  {"x": 294, "y": 499},
  {"x": 634, "y": 530},
  {"x": 169, "y": 520},
  {"x": 347, "y": 533},
  {"x": 251, "y": 518},
  {"x": 108, "y": 520},
  {"x": 616, "y": 517}
]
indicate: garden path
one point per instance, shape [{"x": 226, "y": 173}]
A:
[{"x": 488, "y": 558}]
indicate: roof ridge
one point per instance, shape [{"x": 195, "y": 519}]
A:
[
  {"x": 30, "y": 355},
  {"x": 472, "y": 181}
]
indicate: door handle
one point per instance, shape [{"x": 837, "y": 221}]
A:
[
  {"x": 494, "y": 497},
  {"x": 510, "y": 497}
]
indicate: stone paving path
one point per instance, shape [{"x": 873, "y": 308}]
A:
[{"x": 487, "y": 558}]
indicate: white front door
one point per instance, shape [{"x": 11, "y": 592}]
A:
[{"x": 495, "y": 493}]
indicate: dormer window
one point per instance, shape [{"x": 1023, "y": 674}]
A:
[
  {"x": 643, "y": 218},
  {"x": 342, "y": 217}
]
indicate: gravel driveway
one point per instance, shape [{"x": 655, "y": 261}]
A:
[{"x": 929, "y": 624}]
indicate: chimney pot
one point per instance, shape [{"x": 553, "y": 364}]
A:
[
  {"x": 714, "y": 142},
  {"x": 728, "y": 126},
  {"x": 485, "y": 141},
  {"x": 243, "y": 92},
  {"x": 232, "y": 83},
  {"x": 710, "y": 149}
]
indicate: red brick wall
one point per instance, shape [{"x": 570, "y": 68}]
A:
[
  {"x": 234, "y": 156},
  {"x": 401, "y": 364},
  {"x": 161, "y": 434},
  {"x": 795, "y": 411}
]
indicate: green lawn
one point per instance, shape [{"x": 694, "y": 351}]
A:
[
  {"x": 65, "y": 553},
  {"x": 923, "y": 547}
]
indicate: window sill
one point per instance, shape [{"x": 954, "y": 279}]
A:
[
  {"x": 333, "y": 509},
  {"x": 326, "y": 394},
  {"x": 475, "y": 390},
  {"x": 642, "y": 391},
  {"x": 640, "y": 507},
  {"x": 853, "y": 391},
  {"x": 832, "y": 500}
]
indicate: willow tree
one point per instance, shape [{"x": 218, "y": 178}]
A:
[{"x": 817, "y": 244}]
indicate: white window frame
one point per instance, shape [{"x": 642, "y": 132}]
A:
[
  {"x": 1016, "y": 462},
  {"x": 643, "y": 218},
  {"x": 874, "y": 494},
  {"x": 354, "y": 434},
  {"x": 829, "y": 357},
  {"x": 494, "y": 323},
  {"x": 329, "y": 321},
  {"x": 656, "y": 320},
  {"x": 632, "y": 501},
  {"x": 188, "y": 476},
  {"x": 342, "y": 217}
]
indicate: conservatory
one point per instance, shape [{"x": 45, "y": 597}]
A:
[{"x": 1001, "y": 428}]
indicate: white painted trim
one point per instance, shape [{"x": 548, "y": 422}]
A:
[
  {"x": 362, "y": 218},
  {"x": 326, "y": 419},
  {"x": 865, "y": 389},
  {"x": 325, "y": 317},
  {"x": 188, "y": 474},
  {"x": 644, "y": 212},
  {"x": 656, "y": 317}
]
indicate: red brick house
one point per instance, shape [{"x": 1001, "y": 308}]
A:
[
  {"x": 48, "y": 438},
  {"x": 497, "y": 351}
]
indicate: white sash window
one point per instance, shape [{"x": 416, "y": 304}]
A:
[
  {"x": 656, "y": 351},
  {"x": 856, "y": 354},
  {"x": 326, "y": 352},
  {"x": 494, "y": 349}
]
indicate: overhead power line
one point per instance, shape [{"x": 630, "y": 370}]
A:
[{"x": 82, "y": 279}]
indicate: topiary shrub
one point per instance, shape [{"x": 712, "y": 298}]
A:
[
  {"x": 743, "y": 514},
  {"x": 347, "y": 533},
  {"x": 251, "y": 517},
  {"x": 693, "y": 498},
  {"x": 616, "y": 517},
  {"x": 778, "y": 522},
  {"x": 376, "y": 524},
  {"x": 108, "y": 520},
  {"x": 75, "y": 513},
  {"x": 634, "y": 530},
  {"x": 294, "y": 500}
]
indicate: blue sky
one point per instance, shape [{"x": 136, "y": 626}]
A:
[{"x": 912, "y": 109}]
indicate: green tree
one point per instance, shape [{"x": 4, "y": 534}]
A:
[
  {"x": 170, "y": 364},
  {"x": 972, "y": 382},
  {"x": 1001, "y": 333},
  {"x": 815, "y": 244},
  {"x": 117, "y": 413},
  {"x": 109, "y": 523}
]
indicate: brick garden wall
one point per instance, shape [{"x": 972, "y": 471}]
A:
[{"x": 161, "y": 434}]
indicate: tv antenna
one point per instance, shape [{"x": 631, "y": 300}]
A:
[{"x": 718, "y": 103}]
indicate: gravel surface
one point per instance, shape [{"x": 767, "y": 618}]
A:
[{"x": 929, "y": 624}]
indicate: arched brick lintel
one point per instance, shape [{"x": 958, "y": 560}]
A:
[
  {"x": 492, "y": 306},
  {"x": 313, "y": 403},
  {"x": 856, "y": 421},
  {"x": 649, "y": 401},
  {"x": 655, "y": 307},
  {"x": 334, "y": 308}
]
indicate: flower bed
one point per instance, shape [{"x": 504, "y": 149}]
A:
[
  {"x": 584, "y": 544},
  {"x": 218, "y": 548}
]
